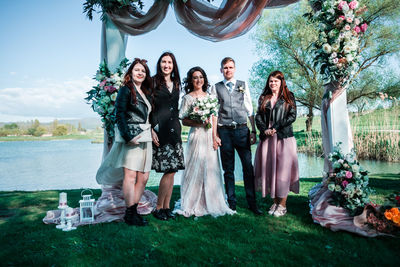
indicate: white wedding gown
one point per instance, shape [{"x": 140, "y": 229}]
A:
[{"x": 202, "y": 188}]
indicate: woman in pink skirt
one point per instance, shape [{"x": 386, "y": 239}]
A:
[{"x": 276, "y": 165}]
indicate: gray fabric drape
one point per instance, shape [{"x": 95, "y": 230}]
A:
[
  {"x": 135, "y": 22},
  {"x": 232, "y": 19}
]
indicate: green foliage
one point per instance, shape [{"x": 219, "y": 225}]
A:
[
  {"x": 283, "y": 45},
  {"x": 60, "y": 130},
  {"x": 91, "y": 6},
  {"x": 242, "y": 239},
  {"x": 36, "y": 129},
  {"x": 11, "y": 126}
]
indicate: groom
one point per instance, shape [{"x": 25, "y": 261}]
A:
[{"x": 235, "y": 106}]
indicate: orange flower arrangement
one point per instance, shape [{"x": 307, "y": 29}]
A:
[{"x": 393, "y": 215}]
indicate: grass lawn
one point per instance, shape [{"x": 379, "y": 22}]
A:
[{"x": 241, "y": 239}]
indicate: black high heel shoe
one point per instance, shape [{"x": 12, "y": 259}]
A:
[
  {"x": 169, "y": 214},
  {"x": 160, "y": 215}
]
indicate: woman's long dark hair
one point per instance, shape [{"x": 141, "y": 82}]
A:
[
  {"x": 128, "y": 80},
  {"x": 283, "y": 91},
  {"x": 188, "y": 83},
  {"x": 159, "y": 77}
]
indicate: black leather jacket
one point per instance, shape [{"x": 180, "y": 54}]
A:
[
  {"x": 128, "y": 114},
  {"x": 282, "y": 116}
]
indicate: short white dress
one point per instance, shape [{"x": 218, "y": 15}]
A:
[{"x": 122, "y": 155}]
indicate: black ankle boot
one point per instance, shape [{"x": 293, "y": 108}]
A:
[
  {"x": 169, "y": 214},
  {"x": 132, "y": 217}
]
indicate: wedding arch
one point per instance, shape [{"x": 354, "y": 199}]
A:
[{"x": 232, "y": 19}]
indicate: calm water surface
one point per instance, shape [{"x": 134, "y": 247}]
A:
[{"x": 72, "y": 164}]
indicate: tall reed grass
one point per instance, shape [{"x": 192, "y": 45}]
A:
[{"x": 376, "y": 136}]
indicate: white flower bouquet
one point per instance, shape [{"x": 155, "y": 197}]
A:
[
  {"x": 202, "y": 109},
  {"x": 103, "y": 95}
]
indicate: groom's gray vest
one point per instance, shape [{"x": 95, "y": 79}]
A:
[{"x": 232, "y": 107}]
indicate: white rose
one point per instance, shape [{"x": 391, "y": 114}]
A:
[
  {"x": 327, "y": 48},
  {"x": 335, "y": 47},
  {"x": 346, "y": 49},
  {"x": 114, "y": 96}
]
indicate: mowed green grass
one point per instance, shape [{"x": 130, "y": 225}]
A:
[{"x": 242, "y": 239}]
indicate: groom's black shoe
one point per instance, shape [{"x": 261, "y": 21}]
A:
[{"x": 255, "y": 210}]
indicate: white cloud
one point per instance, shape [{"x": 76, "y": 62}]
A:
[
  {"x": 13, "y": 73},
  {"x": 47, "y": 98}
]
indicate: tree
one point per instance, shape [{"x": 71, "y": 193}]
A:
[
  {"x": 285, "y": 46},
  {"x": 36, "y": 129},
  {"x": 60, "y": 130},
  {"x": 285, "y": 40},
  {"x": 11, "y": 126}
]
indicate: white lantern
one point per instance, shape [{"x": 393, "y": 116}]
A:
[{"x": 86, "y": 207}]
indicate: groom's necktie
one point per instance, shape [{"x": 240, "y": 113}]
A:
[{"x": 230, "y": 86}]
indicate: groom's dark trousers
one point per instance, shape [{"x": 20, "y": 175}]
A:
[{"x": 237, "y": 138}]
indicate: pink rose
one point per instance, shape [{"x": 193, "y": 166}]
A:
[
  {"x": 111, "y": 89},
  {"x": 349, "y": 174},
  {"x": 196, "y": 109},
  {"x": 349, "y": 20},
  {"x": 341, "y": 4},
  {"x": 344, "y": 184},
  {"x": 353, "y": 5},
  {"x": 357, "y": 29},
  {"x": 341, "y": 17},
  {"x": 347, "y": 27},
  {"x": 102, "y": 83},
  {"x": 106, "y": 88},
  {"x": 364, "y": 27}
]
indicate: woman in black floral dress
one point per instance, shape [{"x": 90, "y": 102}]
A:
[{"x": 167, "y": 149}]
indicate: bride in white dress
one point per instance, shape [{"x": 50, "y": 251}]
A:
[{"x": 202, "y": 189}]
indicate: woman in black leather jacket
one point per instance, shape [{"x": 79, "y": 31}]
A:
[
  {"x": 132, "y": 149},
  {"x": 276, "y": 164}
]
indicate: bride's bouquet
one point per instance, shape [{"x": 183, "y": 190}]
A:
[{"x": 202, "y": 109}]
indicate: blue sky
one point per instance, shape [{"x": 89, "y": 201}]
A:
[{"x": 50, "y": 52}]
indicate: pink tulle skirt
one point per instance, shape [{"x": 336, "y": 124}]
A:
[{"x": 276, "y": 167}]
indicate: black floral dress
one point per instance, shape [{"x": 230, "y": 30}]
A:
[{"x": 168, "y": 157}]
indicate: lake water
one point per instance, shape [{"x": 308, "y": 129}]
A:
[{"x": 72, "y": 164}]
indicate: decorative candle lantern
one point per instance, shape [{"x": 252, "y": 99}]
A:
[
  {"x": 62, "y": 205},
  {"x": 69, "y": 215},
  {"x": 62, "y": 201},
  {"x": 86, "y": 207}
]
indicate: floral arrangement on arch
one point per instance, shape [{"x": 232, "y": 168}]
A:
[
  {"x": 340, "y": 27},
  {"x": 202, "y": 109},
  {"x": 103, "y": 95},
  {"x": 348, "y": 182}
]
